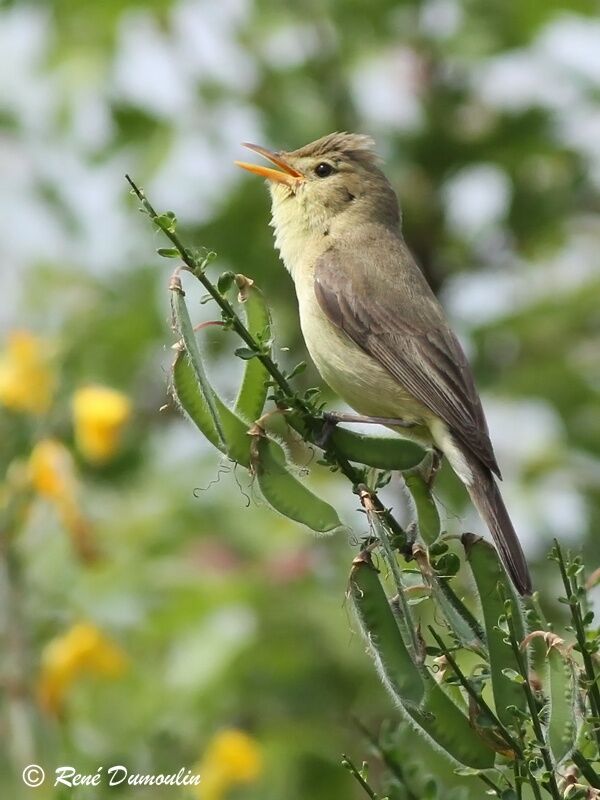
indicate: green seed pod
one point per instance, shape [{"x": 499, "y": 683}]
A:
[
  {"x": 252, "y": 394},
  {"x": 428, "y": 518},
  {"x": 450, "y": 729},
  {"x": 425, "y": 703},
  {"x": 381, "y": 452},
  {"x": 494, "y": 588},
  {"x": 565, "y": 705},
  {"x": 284, "y": 491},
  {"x": 192, "y": 400},
  {"x": 397, "y": 669},
  {"x": 186, "y": 331}
]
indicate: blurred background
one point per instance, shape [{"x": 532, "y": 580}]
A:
[{"x": 154, "y": 613}]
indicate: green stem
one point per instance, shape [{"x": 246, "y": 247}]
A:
[
  {"x": 586, "y": 769},
  {"x": 518, "y": 780},
  {"x": 489, "y": 782},
  {"x": 353, "y": 770},
  {"x": 387, "y": 758},
  {"x": 577, "y": 619},
  {"x": 552, "y": 786}
]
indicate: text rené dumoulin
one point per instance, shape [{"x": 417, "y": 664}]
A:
[{"x": 117, "y": 774}]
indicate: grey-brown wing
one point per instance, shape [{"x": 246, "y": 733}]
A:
[{"x": 392, "y": 314}]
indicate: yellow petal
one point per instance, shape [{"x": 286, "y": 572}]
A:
[
  {"x": 26, "y": 380},
  {"x": 99, "y": 416}
]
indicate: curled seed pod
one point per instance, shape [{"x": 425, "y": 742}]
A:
[{"x": 283, "y": 491}]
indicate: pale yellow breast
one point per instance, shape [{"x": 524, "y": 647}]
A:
[{"x": 356, "y": 377}]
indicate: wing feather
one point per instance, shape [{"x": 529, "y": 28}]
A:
[{"x": 390, "y": 312}]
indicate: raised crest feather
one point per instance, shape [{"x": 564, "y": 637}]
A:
[{"x": 354, "y": 145}]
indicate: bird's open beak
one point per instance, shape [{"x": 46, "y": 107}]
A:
[{"x": 289, "y": 175}]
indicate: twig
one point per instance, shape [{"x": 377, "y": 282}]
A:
[
  {"x": 353, "y": 770},
  {"x": 588, "y": 664},
  {"x": 586, "y": 769},
  {"x": 390, "y": 762}
]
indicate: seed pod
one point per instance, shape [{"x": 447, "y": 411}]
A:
[
  {"x": 284, "y": 491},
  {"x": 186, "y": 331},
  {"x": 428, "y": 518},
  {"x": 397, "y": 669},
  {"x": 192, "y": 400},
  {"x": 382, "y": 452},
  {"x": 565, "y": 703},
  {"x": 494, "y": 588},
  {"x": 252, "y": 394},
  {"x": 426, "y": 703}
]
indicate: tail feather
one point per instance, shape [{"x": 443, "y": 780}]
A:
[{"x": 488, "y": 501}]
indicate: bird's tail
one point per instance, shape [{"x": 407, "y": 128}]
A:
[{"x": 488, "y": 501}]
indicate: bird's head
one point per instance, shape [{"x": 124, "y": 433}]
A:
[{"x": 318, "y": 186}]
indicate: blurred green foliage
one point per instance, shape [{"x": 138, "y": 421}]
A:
[{"x": 229, "y": 616}]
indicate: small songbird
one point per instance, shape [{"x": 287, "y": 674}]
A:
[{"x": 372, "y": 325}]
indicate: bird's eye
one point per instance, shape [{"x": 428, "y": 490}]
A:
[{"x": 323, "y": 169}]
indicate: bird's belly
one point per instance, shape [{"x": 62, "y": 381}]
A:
[{"x": 355, "y": 376}]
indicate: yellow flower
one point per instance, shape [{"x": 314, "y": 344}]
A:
[
  {"x": 52, "y": 471},
  {"x": 231, "y": 758},
  {"x": 26, "y": 380},
  {"x": 83, "y": 649},
  {"x": 99, "y": 416},
  {"x": 52, "y": 476}
]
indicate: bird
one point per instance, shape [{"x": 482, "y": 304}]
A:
[{"x": 372, "y": 325}]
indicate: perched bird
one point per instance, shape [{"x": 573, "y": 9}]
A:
[{"x": 372, "y": 325}]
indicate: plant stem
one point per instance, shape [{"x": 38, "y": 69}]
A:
[
  {"x": 489, "y": 782},
  {"x": 552, "y": 786},
  {"x": 390, "y": 762},
  {"x": 586, "y": 769},
  {"x": 594, "y": 691},
  {"x": 353, "y": 770}
]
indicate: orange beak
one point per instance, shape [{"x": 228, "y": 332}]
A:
[{"x": 289, "y": 175}]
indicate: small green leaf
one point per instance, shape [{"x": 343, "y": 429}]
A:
[
  {"x": 299, "y": 368},
  {"x": 245, "y": 353},
  {"x": 168, "y": 252},
  {"x": 513, "y": 676},
  {"x": 225, "y": 282},
  {"x": 167, "y": 221}
]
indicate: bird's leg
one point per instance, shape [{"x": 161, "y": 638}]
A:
[{"x": 332, "y": 418}]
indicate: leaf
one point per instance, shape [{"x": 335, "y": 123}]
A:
[
  {"x": 168, "y": 252},
  {"x": 245, "y": 353}
]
